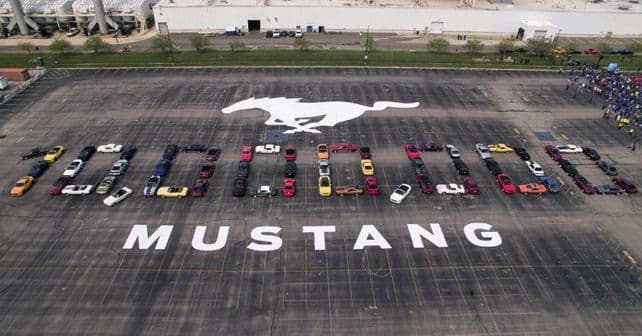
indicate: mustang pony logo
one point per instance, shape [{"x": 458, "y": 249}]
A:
[{"x": 292, "y": 113}]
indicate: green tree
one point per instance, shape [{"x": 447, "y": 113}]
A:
[
  {"x": 438, "y": 45},
  {"x": 506, "y": 46},
  {"x": 604, "y": 47},
  {"x": 302, "y": 44},
  {"x": 237, "y": 46},
  {"x": 474, "y": 46},
  {"x": 571, "y": 47},
  {"x": 540, "y": 46},
  {"x": 199, "y": 42},
  {"x": 96, "y": 44},
  {"x": 160, "y": 43},
  {"x": 26, "y": 47},
  {"x": 635, "y": 47},
  {"x": 370, "y": 44},
  {"x": 61, "y": 46}
]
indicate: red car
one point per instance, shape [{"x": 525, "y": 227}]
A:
[
  {"x": 553, "y": 152},
  {"x": 207, "y": 169},
  {"x": 371, "y": 186},
  {"x": 199, "y": 188},
  {"x": 246, "y": 153},
  {"x": 61, "y": 182},
  {"x": 592, "y": 52},
  {"x": 431, "y": 147},
  {"x": 290, "y": 153},
  {"x": 424, "y": 183},
  {"x": 343, "y": 147},
  {"x": 412, "y": 152},
  {"x": 505, "y": 183},
  {"x": 626, "y": 184},
  {"x": 470, "y": 185},
  {"x": 289, "y": 187},
  {"x": 584, "y": 184}
]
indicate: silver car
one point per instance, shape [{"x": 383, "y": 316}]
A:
[
  {"x": 324, "y": 167},
  {"x": 483, "y": 152},
  {"x": 453, "y": 151},
  {"x": 151, "y": 185},
  {"x": 119, "y": 168}
]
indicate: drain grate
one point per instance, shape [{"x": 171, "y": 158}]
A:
[{"x": 275, "y": 137}]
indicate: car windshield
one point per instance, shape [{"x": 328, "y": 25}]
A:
[
  {"x": 322, "y": 149},
  {"x": 120, "y": 193},
  {"x": 325, "y": 183},
  {"x": 289, "y": 151},
  {"x": 505, "y": 179}
]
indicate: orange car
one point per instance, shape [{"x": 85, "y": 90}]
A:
[
  {"x": 532, "y": 188},
  {"x": 22, "y": 185},
  {"x": 322, "y": 151}
]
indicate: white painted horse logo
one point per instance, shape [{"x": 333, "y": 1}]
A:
[{"x": 291, "y": 112}]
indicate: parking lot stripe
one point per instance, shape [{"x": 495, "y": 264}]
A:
[
  {"x": 346, "y": 248},
  {"x": 241, "y": 278},
  {"x": 412, "y": 273}
]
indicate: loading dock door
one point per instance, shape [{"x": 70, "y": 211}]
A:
[
  {"x": 436, "y": 27},
  {"x": 253, "y": 25}
]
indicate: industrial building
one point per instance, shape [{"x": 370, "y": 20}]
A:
[
  {"x": 35, "y": 15},
  {"x": 532, "y": 18}
]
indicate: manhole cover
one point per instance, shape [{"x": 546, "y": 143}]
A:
[{"x": 544, "y": 136}]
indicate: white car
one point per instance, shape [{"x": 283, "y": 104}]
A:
[
  {"x": 400, "y": 194},
  {"x": 298, "y": 33},
  {"x": 73, "y": 31},
  {"x": 568, "y": 148},
  {"x": 450, "y": 189},
  {"x": 73, "y": 168},
  {"x": 483, "y": 152},
  {"x": 324, "y": 167},
  {"x": 117, "y": 196},
  {"x": 535, "y": 168},
  {"x": 453, "y": 151},
  {"x": 119, "y": 167},
  {"x": 109, "y": 148},
  {"x": 78, "y": 189},
  {"x": 268, "y": 149}
]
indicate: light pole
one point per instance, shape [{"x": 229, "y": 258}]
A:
[{"x": 365, "y": 57}]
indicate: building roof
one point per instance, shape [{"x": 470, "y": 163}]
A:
[{"x": 85, "y": 6}]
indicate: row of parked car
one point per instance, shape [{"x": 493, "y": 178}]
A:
[{"x": 619, "y": 185}]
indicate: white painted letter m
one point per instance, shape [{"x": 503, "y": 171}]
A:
[{"x": 145, "y": 241}]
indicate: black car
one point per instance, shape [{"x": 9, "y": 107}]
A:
[
  {"x": 194, "y": 148},
  {"x": 607, "y": 167},
  {"x": 128, "y": 153},
  {"x": 86, "y": 153},
  {"x": 493, "y": 166},
  {"x": 522, "y": 153},
  {"x": 461, "y": 166},
  {"x": 212, "y": 154},
  {"x": 243, "y": 169},
  {"x": 34, "y": 152},
  {"x": 290, "y": 169},
  {"x": 38, "y": 169},
  {"x": 291, "y": 33},
  {"x": 170, "y": 152},
  {"x": 418, "y": 165},
  {"x": 240, "y": 187},
  {"x": 591, "y": 153},
  {"x": 364, "y": 152},
  {"x": 568, "y": 167},
  {"x": 610, "y": 188},
  {"x": 269, "y": 34}
]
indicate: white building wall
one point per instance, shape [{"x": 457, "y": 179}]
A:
[{"x": 216, "y": 18}]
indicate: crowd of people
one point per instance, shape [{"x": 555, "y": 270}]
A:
[{"x": 620, "y": 95}]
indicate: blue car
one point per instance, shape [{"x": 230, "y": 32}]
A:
[
  {"x": 550, "y": 183},
  {"x": 162, "y": 167}
]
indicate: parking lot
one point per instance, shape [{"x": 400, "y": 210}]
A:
[{"x": 561, "y": 267}]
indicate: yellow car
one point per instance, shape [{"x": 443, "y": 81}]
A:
[
  {"x": 559, "y": 51},
  {"x": 367, "y": 168},
  {"x": 172, "y": 191},
  {"x": 21, "y": 186},
  {"x": 325, "y": 186},
  {"x": 322, "y": 151},
  {"x": 54, "y": 153},
  {"x": 499, "y": 148}
]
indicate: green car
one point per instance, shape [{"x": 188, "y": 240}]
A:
[
  {"x": 263, "y": 191},
  {"x": 106, "y": 184}
]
